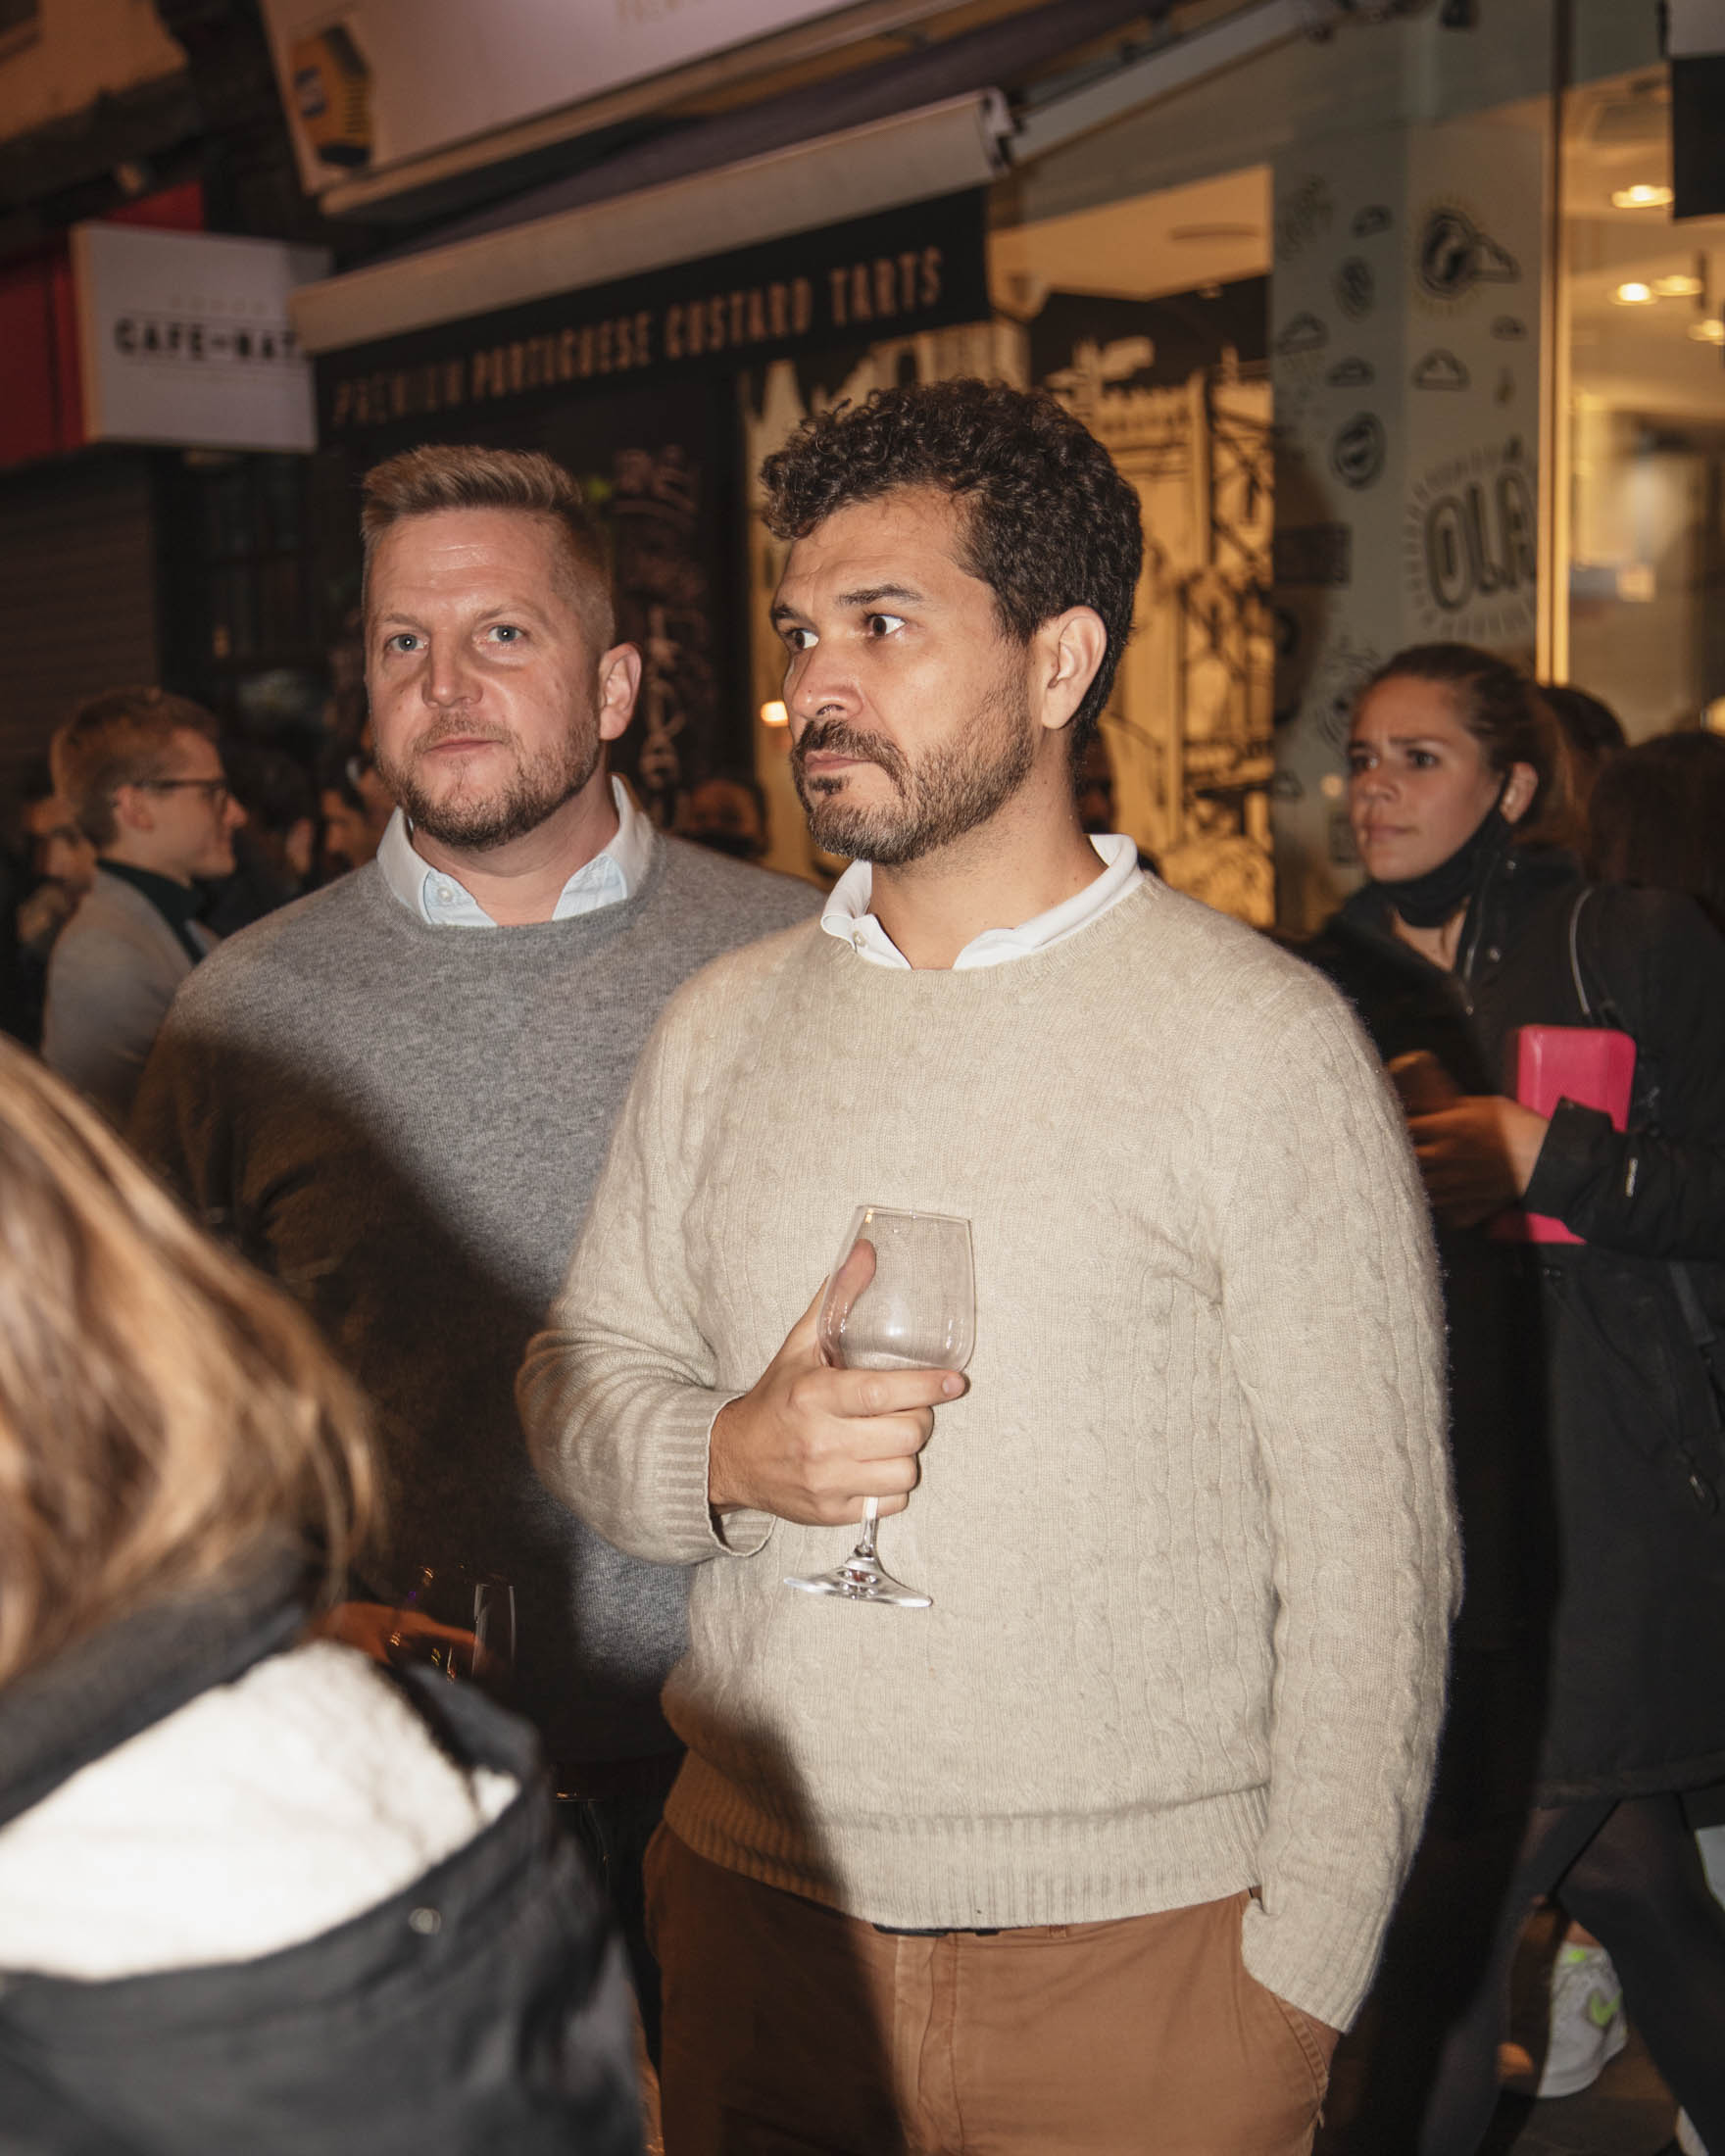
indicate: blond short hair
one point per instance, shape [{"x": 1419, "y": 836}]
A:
[
  {"x": 442, "y": 475},
  {"x": 123, "y": 737},
  {"x": 164, "y": 1414}
]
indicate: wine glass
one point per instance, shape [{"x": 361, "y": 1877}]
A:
[
  {"x": 902, "y": 1297},
  {"x": 461, "y": 1622}
]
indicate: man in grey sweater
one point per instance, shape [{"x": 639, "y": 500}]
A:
[{"x": 395, "y": 1094}]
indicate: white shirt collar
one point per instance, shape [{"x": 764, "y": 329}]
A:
[
  {"x": 615, "y": 873},
  {"x": 848, "y": 917}
]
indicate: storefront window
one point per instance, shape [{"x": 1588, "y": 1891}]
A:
[{"x": 1643, "y": 305}]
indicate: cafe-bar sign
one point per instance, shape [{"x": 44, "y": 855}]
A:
[
  {"x": 877, "y": 277},
  {"x": 184, "y": 338}
]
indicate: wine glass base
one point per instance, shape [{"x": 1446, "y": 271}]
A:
[{"x": 860, "y": 1579}]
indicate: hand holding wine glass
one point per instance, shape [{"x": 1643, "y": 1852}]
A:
[
  {"x": 809, "y": 1442},
  {"x": 901, "y": 1297}
]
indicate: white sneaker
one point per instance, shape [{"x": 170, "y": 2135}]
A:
[{"x": 1587, "y": 2020}]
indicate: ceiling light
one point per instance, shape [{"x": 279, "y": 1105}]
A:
[
  {"x": 1707, "y": 332},
  {"x": 1642, "y": 196},
  {"x": 774, "y": 714},
  {"x": 1634, "y": 295},
  {"x": 1677, "y": 288}
]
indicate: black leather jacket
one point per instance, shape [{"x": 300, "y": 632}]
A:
[{"x": 482, "y": 2009}]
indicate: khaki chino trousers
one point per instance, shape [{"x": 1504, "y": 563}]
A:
[{"x": 790, "y": 2029}]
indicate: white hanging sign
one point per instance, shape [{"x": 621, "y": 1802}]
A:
[{"x": 185, "y": 338}]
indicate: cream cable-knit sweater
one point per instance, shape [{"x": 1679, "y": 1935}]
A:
[{"x": 1189, "y": 1534}]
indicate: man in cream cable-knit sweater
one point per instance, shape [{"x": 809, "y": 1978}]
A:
[{"x": 1096, "y": 1853}]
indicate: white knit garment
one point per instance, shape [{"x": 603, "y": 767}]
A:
[
  {"x": 255, "y": 1817},
  {"x": 1188, "y": 1534}
]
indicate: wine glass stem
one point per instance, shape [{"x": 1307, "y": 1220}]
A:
[{"x": 865, "y": 1541}]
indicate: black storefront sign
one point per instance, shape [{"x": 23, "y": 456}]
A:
[{"x": 880, "y": 276}]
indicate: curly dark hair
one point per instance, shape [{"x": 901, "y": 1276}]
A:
[{"x": 1051, "y": 521}]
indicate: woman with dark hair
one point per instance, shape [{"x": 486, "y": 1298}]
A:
[
  {"x": 255, "y": 1894},
  {"x": 1586, "y": 1417}
]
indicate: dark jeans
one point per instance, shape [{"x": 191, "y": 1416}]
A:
[{"x": 612, "y": 1833}]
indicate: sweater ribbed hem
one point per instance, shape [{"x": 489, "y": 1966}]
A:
[{"x": 917, "y": 1872}]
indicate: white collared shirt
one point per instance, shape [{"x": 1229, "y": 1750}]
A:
[
  {"x": 614, "y": 874},
  {"x": 848, "y": 917}
]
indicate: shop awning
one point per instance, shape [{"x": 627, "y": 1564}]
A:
[
  {"x": 881, "y": 165},
  {"x": 891, "y": 157}
]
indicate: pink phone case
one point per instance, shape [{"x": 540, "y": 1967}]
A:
[{"x": 1591, "y": 1065}]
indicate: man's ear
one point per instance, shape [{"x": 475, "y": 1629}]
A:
[
  {"x": 619, "y": 683},
  {"x": 1067, "y": 653},
  {"x": 133, "y": 810}
]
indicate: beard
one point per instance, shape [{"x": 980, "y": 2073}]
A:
[
  {"x": 954, "y": 789},
  {"x": 477, "y": 822}
]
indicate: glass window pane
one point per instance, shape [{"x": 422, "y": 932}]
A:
[{"x": 1644, "y": 301}]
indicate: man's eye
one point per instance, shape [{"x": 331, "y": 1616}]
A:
[
  {"x": 404, "y": 640},
  {"x": 1358, "y": 761},
  {"x": 1421, "y": 759},
  {"x": 799, "y": 639},
  {"x": 506, "y": 632},
  {"x": 883, "y": 625}
]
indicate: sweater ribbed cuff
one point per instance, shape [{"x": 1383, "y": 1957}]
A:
[
  {"x": 1319, "y": 1957},
  {"x": 682, "y": 1440}
]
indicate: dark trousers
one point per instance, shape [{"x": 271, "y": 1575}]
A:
[{"x": 612, "y": 1833}]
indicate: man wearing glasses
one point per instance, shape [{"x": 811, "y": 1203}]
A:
[{"x": 143, "y": 776}]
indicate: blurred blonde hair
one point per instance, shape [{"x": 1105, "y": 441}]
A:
[{"x": 165, "y": 1413}]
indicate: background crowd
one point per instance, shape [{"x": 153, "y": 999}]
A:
[{"x": 370, "y": 1096}]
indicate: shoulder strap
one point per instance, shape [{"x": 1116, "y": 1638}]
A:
[
  {"x": 1599, "y": 1008},
  {"x": 1581, "y": 996}
]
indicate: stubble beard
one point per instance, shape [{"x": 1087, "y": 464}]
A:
[
  {"x": 478, "y": 823},
  {"x": 956, "y": 788}
]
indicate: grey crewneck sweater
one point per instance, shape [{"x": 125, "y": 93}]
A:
[
  {"x": 1187, "y": 1534},
  {"x": 404, "y": 1124}
]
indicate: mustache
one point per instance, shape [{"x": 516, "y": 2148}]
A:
[
  {"x": 838, "y": 737},
  {"x": 456, "y": 728}
]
